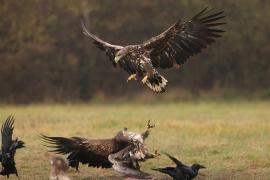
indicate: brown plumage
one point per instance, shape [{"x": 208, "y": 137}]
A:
[
  {"x": 93, "y": 152},
  {"x": 172, "y": 47}
]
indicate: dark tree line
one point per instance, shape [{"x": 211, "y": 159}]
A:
[{"x": 45, "y": 57}]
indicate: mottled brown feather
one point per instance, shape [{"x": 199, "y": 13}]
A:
[{"x": 183, "y": 40}]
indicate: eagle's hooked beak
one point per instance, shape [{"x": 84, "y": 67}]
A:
[{"x": 117, "y": 58}]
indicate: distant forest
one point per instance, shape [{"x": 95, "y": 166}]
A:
[{"x": 45, "y": 57}]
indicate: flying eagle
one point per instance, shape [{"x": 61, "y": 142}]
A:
[
  {"x": 8, "y": 148},
  {"x": 181, "y": 171},
  {"x": 95, "y": 152},
  {"x": 171, "y": 48}
]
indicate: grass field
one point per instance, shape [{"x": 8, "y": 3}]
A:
[{"x": 231, "y": 138}]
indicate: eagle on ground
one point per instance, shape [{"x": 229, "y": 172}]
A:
[
  {"x": 171, "y": 48},
  {"x": 8, "y": 148},
  {"x": 126, "y": 147}
]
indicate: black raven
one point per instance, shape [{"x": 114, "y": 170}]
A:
[
  {"x": 9, "y": 148},
  {"x": 181, "y": 171}
]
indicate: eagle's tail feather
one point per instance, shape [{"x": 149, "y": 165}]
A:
[{"x": 157, "y": 83}]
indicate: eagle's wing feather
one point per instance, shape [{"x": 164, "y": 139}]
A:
[
  {"x": 79, "y": 149},
  {"x": 107, "y": 47},
  {"x": 7, "y": 131},
  {"x": 184, "y": 39}
]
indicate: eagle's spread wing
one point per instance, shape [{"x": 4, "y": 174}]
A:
[
  {"x": 80, "y": 149},
  {"x": 184, "y": 39},
  {"x": 7, "y": 131},
  {"x": 107, "y": 47}
]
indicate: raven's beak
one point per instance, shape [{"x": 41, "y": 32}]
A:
[{"x": 203, "y": 167}]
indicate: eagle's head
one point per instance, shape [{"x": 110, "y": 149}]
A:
[{"x": 120, "y": 54}]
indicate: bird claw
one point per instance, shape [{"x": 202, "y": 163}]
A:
[
  {"x": 149, "y": 126},
  {"x": 156, "y": 153},
  {"x": 132, "y": 77},
  {"x": 144, "y": 79}
]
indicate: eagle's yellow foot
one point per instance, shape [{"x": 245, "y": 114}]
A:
[
  {"x": 149, "y": 125},
  {"x": 133, "y": 76},
  {"x": 144, "y": 79},
  {"x": 156, "y": 154}
]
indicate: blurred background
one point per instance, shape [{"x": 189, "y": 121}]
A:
[{"x": 44, "y": 57}]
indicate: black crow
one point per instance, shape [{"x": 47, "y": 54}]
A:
[
  {"x": 181, "y": 171},
  {"x": 8, "y": 148}
]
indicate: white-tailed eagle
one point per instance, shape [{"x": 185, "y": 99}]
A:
[
  {"x": 121, "y": 152},
  {"x": 171, "y": 48}
]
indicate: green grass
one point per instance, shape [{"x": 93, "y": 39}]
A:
[{"x": 231, "y": 138}]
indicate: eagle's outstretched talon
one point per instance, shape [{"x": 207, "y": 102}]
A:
[
  {"x": 149, "y": 126},
  {"x": 156, "y": 154},
  {"x": 132, "y": 77},
  {"x": 144, "y": 79}
]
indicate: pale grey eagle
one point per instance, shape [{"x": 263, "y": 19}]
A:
[{"x": 171, "y": 48}]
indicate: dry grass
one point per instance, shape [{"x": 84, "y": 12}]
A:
[{"x": 230, "y": 138}]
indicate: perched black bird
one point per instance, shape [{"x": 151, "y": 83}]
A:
[
  {"x": 9, "y": 148},
  {"x": 181, "y": 171},
  {"x": 171, "y": 48}
]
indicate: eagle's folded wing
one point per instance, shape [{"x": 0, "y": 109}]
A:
[
  {"x": 183, "y": 40},
  {"x": 126, "y": 162},
  {"x": 107, "y": 47},
  {"x": 80, "y": 149}
]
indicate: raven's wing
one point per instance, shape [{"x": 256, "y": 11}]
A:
[
  {"x": 188, "y": 171},
  {"x": 93, "y": 153},
  {"x": 176, "y": 161},
  {"x": 104, "y": 46},
  {"x": 7, "y": 131},
  {"x": 171, "y": 171},
  {"x": 184, "y": 39}
]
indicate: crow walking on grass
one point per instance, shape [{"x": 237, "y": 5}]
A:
[{"x": 181, "y": 171}]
